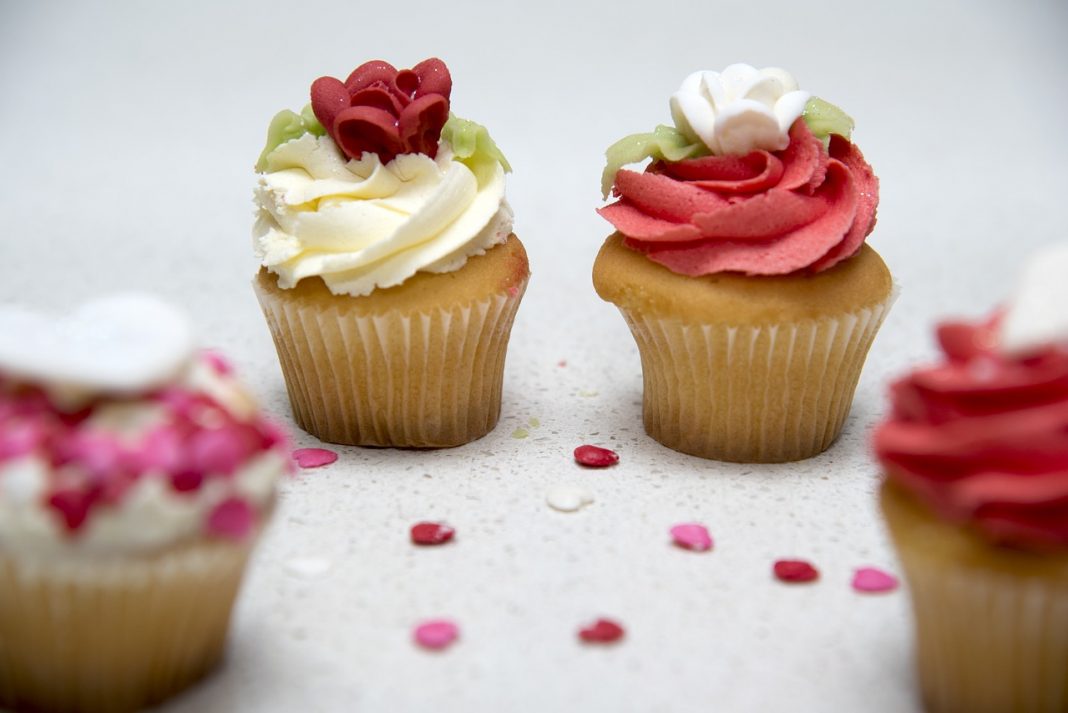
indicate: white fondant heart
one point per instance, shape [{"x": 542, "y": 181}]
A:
[
  {"x": 1037, "y": 315},
  {"x": 123, "y": 344}
]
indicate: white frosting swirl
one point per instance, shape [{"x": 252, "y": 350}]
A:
[
  {"x": 738, "y": 110},
  {"x": 362, "y": 224}
]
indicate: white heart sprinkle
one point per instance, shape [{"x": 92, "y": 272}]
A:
[
  {"x": 123, "y": 344},
  {"x": 308, "y": 567},
  {"x": 568, "y": 498}
]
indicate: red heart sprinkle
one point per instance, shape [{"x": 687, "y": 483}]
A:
[
  {"x": 431, "y": 533},
  {"x": 313, "y": 457},
  {"x": 595, "y": 456},
  {"x": 795, "y": 571},
  {"x": 602, "y": 631}
]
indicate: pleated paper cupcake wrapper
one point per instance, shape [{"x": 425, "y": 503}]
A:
[
  {"x": 424, "y": 380},
  {"x": 104, "y": 636},
  {"x": 988, "y": 641},
  {"x": 757, "y": 394}
]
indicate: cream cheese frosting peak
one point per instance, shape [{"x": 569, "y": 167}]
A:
[{"x": 364, "y": 224}]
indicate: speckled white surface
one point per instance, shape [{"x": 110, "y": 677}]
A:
[{"x": 128, "y": 133}]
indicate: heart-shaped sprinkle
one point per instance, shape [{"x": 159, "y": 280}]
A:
[
  {"x": 692, "y": 536},
  {"x": 314, "y": 457},
  {"x": 871, "y": 580},
  {"x": 308, "y": 567},
  {"x": 595, "y": 456},
  {"x": 795, "y": 571},
  {"x": 431, "y": 533},
  {"x": 125, "y": 344},
  {"x": 602, "y": 631},
  {"x": 436, "y": 634},
  {"x": 232, "y": 519},
  {"x": 568, "y": 498}
]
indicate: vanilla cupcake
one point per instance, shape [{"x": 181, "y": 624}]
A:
[
  {"x": 739, "y": 264},
  {"x": 135, "y": 476},
  {"x": 390, "y": 276},
  {"x": 975, "y": 452}
]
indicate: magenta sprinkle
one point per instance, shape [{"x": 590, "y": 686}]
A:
[
  {"x": 314, "y": 457},
  {"x": 436, "y": 634},
  {"x": 692, "y": 536},
  {"x": 870, "y": 580}
]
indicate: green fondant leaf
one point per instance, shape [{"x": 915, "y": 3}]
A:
[
  {"x": 471, "y": 142},
  {"x": 824, "y": 119},
  {"x": 663, "y": 143},
  {"x": 286, "y": 126}
]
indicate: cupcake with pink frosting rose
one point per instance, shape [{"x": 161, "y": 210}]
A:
[
  {"x": 135, "y": 477},
  {"x": 739, "y": 262},
  {"x": 975, "y": 452},
  {"x": 390, "y": 276}
]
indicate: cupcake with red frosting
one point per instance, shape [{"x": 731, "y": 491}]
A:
[
  {"x": 135, "y": 477},
  {"x": 740, "y": 265},
  {"x": 390, "y": 276},
  {"x": 975, "y": 452}
]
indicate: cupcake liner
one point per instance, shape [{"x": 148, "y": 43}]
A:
[
  {"x": 107, "y": 635},
  {"x": 760, "y": 394},
  {"x": 427, "y": 379},
  {"x": 991, "y": 622}
]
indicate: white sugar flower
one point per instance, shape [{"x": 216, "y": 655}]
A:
[{"x": 738, "y": 110}]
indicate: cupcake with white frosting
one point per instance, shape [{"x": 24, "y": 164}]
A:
[
  {"x": 390, "y": 276},
  {"x": 135, "y": 476}
]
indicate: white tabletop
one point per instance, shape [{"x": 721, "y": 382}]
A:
[{"x": 128, "y": 134}]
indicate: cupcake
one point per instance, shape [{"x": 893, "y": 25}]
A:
[
  {"x": 390, "y": 275},
  {"x": 740, "y": 265},
  {"x": 975, "y": 452},
  {"x": 135, "y": 476}
]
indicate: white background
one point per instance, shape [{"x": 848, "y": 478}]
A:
[{"x": 127, "y": 137}]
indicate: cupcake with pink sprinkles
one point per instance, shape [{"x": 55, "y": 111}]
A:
[{"x": 135, "y": 477}]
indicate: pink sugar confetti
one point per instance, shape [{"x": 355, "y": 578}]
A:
[
  {"x": 692, "y": 536},
  {"x": 595, "y": 456},
  {"x": 602, "y": 631},
  {"x": 431, "y": 533},
  {"x": 314, "y": 457},
  {"x": 795, "y": 571},
  {"x": 436, "y": 634},
  {"x": 231, "y": 519},
  {"x": 873, "y": 581}
]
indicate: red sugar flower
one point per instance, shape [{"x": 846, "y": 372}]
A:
[{"x": 383, "y": 110}]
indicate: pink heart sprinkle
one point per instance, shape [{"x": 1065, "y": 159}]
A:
[
  {"x": 436, "y": 634},
  {"x": 872, "y": 580},
  {"x": 231, "y": 519},
  {"x": 692, "y": 536},
  {"x": 595, "y": 456},
  {"x": 313, "y": 457}
]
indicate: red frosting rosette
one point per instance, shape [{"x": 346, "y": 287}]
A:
[
  {"x": 804, "y": 208},
  {"x": 982, "y": 438}
]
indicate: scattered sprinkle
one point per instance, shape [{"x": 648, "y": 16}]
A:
[
  {"x": 314, "y": 457},
  {"x": 795, "y": 571},
  {"x": 602, "y": 631},
  {"x": 232, "y": 519},
  {"x": 436, "y": 634},
  {"x": 873, "y": 581},
  {"x": 595, "y": 456},
  {"x": 520, "y": 433},
  {"x": 692, "y": 536},
  {"x": 562, "y": 363},
  {"x": 534, "y": 422},
  {"x": 431, "y": 533},
  {"x": 568, "y": 498},
  {"x": 308, "y": 567},
  {"x": 586, "y": 393}
]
